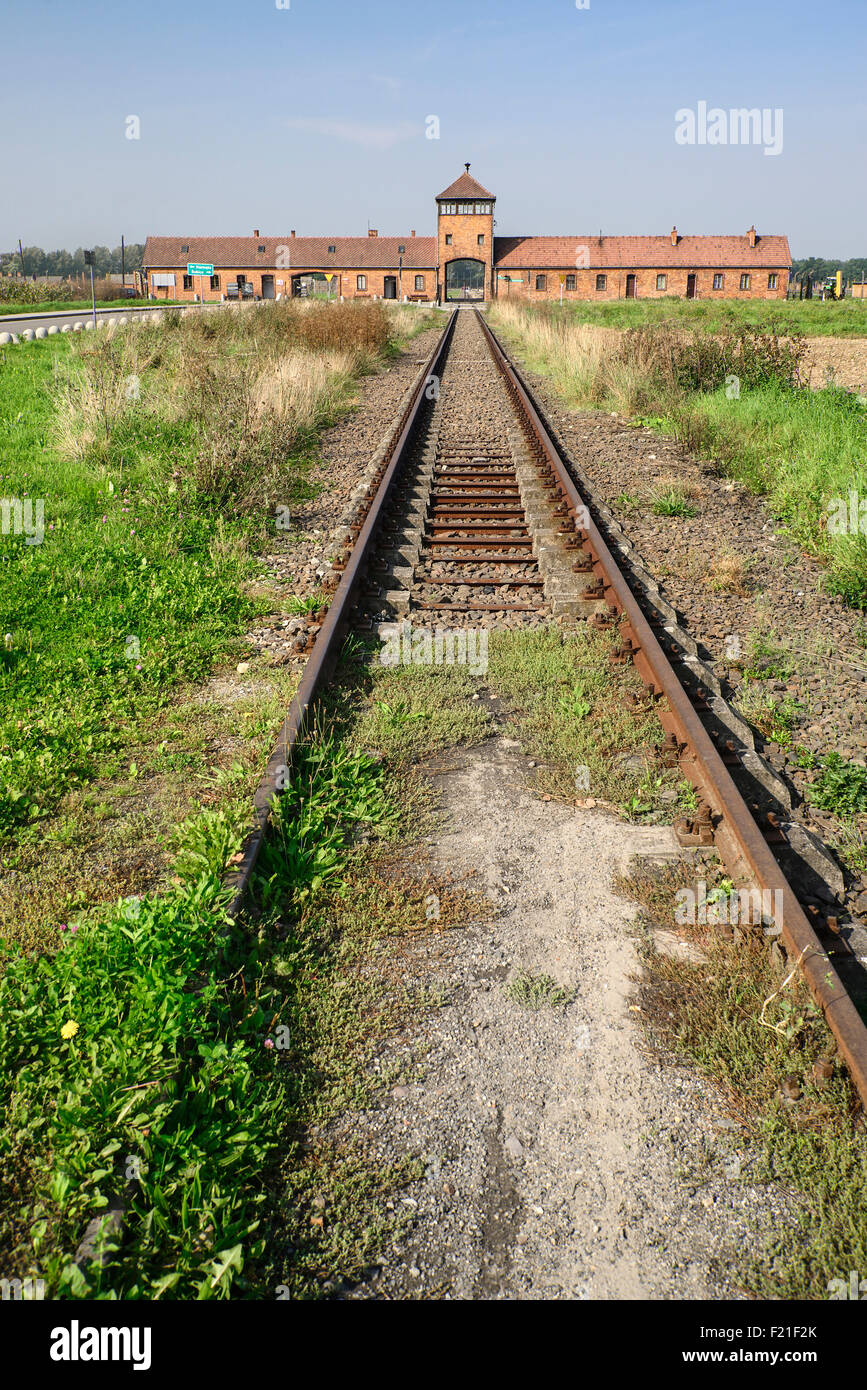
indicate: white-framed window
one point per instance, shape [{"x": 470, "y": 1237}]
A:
[
  {"x": 601, "y": 282},
  {"x": 361, "y": 282},
  {"x": 718, "y": 281},
  {"x": 570, "y": 282},
  {"x": 419, "y": 283},
  {"x": 661, "y": 282},
  {"x": 541, "y": 282},
  {"x": 745, "y": 281},
  {"x": 772, "y": 282}
]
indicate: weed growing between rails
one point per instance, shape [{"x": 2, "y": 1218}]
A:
[
  {"x": 732, "y": 394},
  {"x": 756, "y": 1033}
]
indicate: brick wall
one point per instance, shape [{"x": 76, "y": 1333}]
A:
[
  {"x": 585, "y": 282},
  {"x": 345, "y": 283}
]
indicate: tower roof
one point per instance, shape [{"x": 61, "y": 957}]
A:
[{"x": 465, "y": 187}]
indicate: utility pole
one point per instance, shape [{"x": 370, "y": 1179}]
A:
[
  {"x": 88, "y": 260},
  {"x": 122, "y": 265},
  {"x": 21, "y": 254}
]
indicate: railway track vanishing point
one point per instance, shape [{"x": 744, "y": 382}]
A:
[{"x": 473, "y": 514}]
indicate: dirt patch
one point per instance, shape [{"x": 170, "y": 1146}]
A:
[
  {"x": 561, "y": 1160},
  {"x": 844, "y": 360}
]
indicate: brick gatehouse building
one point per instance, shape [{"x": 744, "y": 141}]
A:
[{"x": 465, "y": 260}]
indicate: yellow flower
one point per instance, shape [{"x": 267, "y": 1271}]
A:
[{"x": 69, "y": 1029}]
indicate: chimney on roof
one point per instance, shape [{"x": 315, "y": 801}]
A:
[
  {"x": 674, "y": 236},
  {"x": 371, "y": 231},
  {"x": 412, "y": 233},
  {"x": 292, "y": 233},
  {"x": 256, "y": 232},
  {"x": 751, "y": 236}
]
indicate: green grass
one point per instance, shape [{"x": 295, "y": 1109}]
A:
[
  {"x": 133, "y": 1072},
  {"x": 58, "y": 306},
  {"x": 122, "y": 559},
  {"x": 840, "y": 787},
  {"x": 537, "y": 991},
  {"x": 765, "y": 661},
  {"x": 673, "y": 502},
  {"x": 798, "y": 449},
  {"x": 141, "y": 1041},
  {"x": 812, "y": 317},
  {"x": 812, "y": 1147},
  {"x": 167, "y": 1059}
]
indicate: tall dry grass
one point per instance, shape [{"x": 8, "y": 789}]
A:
[
  {"x": 652, "y": 367},
  {"x": 243, "y": 391}
]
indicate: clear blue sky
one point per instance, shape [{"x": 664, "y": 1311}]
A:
[{"x": 313, "y": 117}]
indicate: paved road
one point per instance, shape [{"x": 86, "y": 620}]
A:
[{"x": 16, "y": 323}]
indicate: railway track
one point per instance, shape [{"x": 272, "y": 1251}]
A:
[{"x": 474, "y": 518}]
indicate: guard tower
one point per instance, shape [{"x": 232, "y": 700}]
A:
[{"x": 465, "y": 241}]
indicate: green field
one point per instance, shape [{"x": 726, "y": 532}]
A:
[{"x": 809, "y": 316}]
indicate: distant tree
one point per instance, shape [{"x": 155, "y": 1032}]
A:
[{"x": 62, "y": 262}]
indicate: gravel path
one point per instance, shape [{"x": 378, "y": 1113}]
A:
[
  {"x": 731, "y": 574},
  {"x": 561, "y": 1160}
]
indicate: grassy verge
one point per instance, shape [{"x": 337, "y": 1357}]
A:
[
  {"x": 732, "y": 396},
  {"x": 847, "y": 319},
  {"x": 139, "y": 1077},
  {"x": 161, "y": 456},
  {"x": 766, "y": 1046},
  {"x": 59, "y": 306}
]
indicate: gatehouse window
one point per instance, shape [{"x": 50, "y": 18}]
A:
[
  {"x": 745, "y": 282},
  {"x": 718, "y": 282},
  {"x": 772, "y": 282},
  {"x": 186, "y": 250},
  {"x": 260, "y": 248},
  {"x": 541, "y": 282},
  {"x": 480, "y": 239},
  {"x": 400, "y": 250},
  {"x": 660, "y": 282},
  {"x": 188, "y": 282},
  {"x": 419, "y": 282},
  {"x": 570, "y": 282},
  {"x": 448, "y": 238},
  {"x": 601, "y": 282},
  {"x": 215, "y": 282},
  {"x": 361, "y": 282},
  {"x": 331, "y": 250}
]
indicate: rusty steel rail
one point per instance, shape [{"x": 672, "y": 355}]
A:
[
  {"x": 735, "y": 833},
  {"x": 326, "y": 647}
]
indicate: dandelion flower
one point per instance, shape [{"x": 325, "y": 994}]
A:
[{"x": 69, "y": 1029}]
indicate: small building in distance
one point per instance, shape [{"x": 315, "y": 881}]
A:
[{"x": 466, "y": 261}]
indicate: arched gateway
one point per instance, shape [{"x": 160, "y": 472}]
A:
[{"x": 465, "y": 279}]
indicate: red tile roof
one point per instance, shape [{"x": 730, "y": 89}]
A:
[
  {"x": 296, "y": 253},
  {"x": 634, "y": 252},
  {"x": 465, "y": 187}
]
